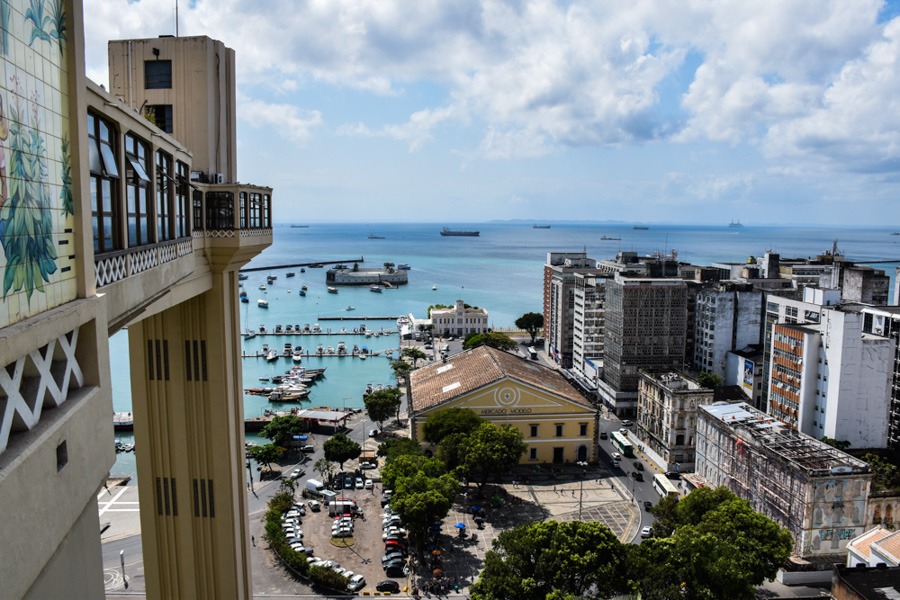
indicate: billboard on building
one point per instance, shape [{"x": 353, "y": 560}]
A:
[{"x": 748, "y": 374}]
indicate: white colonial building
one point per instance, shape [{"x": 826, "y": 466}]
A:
[{"x": 460, "y": 320}]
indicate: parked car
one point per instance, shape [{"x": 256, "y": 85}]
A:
[
  {"x": 297, "y": 473},
  {"x": 646, "y": 532},
  {"x": 627, "y": 423},
  {"x": 616, "y": 456},
  {"x": 397, "y": 570},
  {"x": 647, "y": 505},
  {"x": 356, "y": 583},
  {"x": 314, "y": 505},
  {"x": 307, "y": 449},
  {"x": 604, "y": 435},
  {"x": 343, "y": 532},
  {"x": 369, "y": 484},
  {"x": 373, "y": 432},
  {"x": 637, "y": 475},
  {"x": 638, "y": 465},
  {"x": 392, "y": 556},
  {"x": 615, "y": 464},
  {"x": 359, "y": 482},
  {"x": 348, "y": 482},
  {"x": 388, "y": 586},
  {"x": 366, "y": 466},
  {"x": 673, "y": 474}
]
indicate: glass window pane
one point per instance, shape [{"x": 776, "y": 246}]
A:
[
  {"x": 109, "y": 160},
  {"x": 138, "y": 169},
  {"x": 94, "y": 156}
]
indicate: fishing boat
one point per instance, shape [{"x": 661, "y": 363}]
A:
[
  {"x": 375, "y": 288},
  {"x": 288, "y": 396},
  {"x": 303, "y": 287},
  {"x": 375, "y": 237},
  {"x": 302, "y": 292},
  {"x": 290, "y": 274},
  {"x": 540, "y": 227},
  {"x": 244, "y": 297},
  {"x": 332, "y": 290},
  {"x": 250, "y": 334},
  {"x": 609, "y": 237},
  {"x": 242, "y": 276},
  {"x": 641, "y": 227},
  {"x": 262, "y": 303}
]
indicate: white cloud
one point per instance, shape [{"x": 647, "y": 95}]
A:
[
  {"x": 286, "y": 119},
  {"x": 415, "y": 132}
]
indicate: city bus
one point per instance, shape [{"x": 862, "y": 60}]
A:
[
  {"x": 663, "y": 486},
  {"x": 622, "y": 442}
]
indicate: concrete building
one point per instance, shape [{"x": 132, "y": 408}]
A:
[
  {"x": 460, "y": 320},
  {"x": 744, "y": 369},
  {"x": 559, "y": 302},
  {"x": 557, "y": 423},
  {"x": 817, "y": 492},
  {"x": 667, "y": 416},
  {"x": 876, "y": 546},
  {"x": 646, "y": 328},
  {"x": 117, "y": 237},
  {"x": 728, "y": 316},
  {"x": 884, "y": 322},
  {"x": 865, "y": 583},
  {"x": 833, "y": 379},
  {"x": 587, "y": 325}
]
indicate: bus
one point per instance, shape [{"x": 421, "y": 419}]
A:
[
  {"x": 664, "y": 487},
  {"x": 621, "y": 442}
]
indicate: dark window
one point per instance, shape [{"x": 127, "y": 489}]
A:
[
  {"x": 532, "y": 453},
  {"x": 244, "y": 213},
  {"x": 62, "y": 455},
  {"x": 161, "y": 116},
  {"x": 157, "y": 74},
  {"x": 104, "y": 171},
  {"x": 534, "y": 430},
  {"x": 559, "y": 430},
  {"x": 220, "y": 210},
  {"x": 164, "y": 196},
  {"x": 582, "y": 427},
  {"x": 182, "y": 193},
  {"x": 198, "y": 210},
  {"x": 137, "y": 184}
]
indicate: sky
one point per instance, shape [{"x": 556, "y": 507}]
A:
[{"x": 683, "y": 111}]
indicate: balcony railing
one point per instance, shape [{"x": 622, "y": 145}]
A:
[{"x": 115, "y": 266}]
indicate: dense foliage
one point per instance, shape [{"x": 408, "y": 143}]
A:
[
  {"x": 494, "y": 339},
  {"x": 571, "y": 559},
  {"x": 265, "y": 455},
  {"x": 414, "y": 354},
  {"x": 382, "y": 404},
  {"x": 531, "y": 323},
  {"x": 446, "y": 422},
  {"x": 282, "y": 429},
  {"x": 491, "y": 450},
  {"x": 394, "y": 448},
  {"x": 339, "y": 448}
]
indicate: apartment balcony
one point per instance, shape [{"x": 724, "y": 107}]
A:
[{"x": 229, "y": 224}]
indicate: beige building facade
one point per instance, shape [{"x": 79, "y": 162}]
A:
[
  {"x": 102, "y": 228},
  {"x": 459, "y": 320},
  {"x": 558, "y": 424}
]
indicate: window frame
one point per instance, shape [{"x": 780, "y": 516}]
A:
[
  {"x": 138, "y": 208},
  {"x": 104, "y": 183}
]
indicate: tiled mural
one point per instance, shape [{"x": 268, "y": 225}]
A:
[{"x": 37, "y": 263}]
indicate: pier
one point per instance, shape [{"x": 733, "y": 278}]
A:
[
  {"x": 308, "y": 265},
  {"x": 347, "y": 354},
  {"x": 359, "y": 318}
]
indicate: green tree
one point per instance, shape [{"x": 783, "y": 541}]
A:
[
  {"x": 410, "y": 465},
  {"x": 573, "y": 559},
  {"x": 339, "y": 448},
  {"x": 491, "y": 450},
  {"x": 839, "y": 444},
  {"x": 266, "y": 454},
  {"x": 721, "y": 548},
  {"x": 283, "y": 428},
  {"x": 325, "y": 468},
  {"x": 531, "y": 323},
  {"x": 451, "y": 450},
  {"x": 709, "y": 380},
  {"x": 884, "y": 473},
  {"x": 381, "y": 404},
  {"x": 494, "y": 339},
  {"x": 401, "y": 369},
  {"x": 414, "y": 354},
  {"x": 453, "y": 420},
  {"x": 421, "y": 498},
  {"x": 396, "y": 447}
]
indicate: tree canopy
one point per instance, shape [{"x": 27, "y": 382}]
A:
[
  {"x": 401, "y": 368},
  {"x": 265, "y": 455},
  {"x": 324, "y": 467},
  {"x": 573, "y": 559},
  {"x": 494, "y": 339},
  {"x": 397, "y": 447},
  {"x": 453, "y": 420},
  {"x": 281, "y": 429},
  {"x": 491, "y": 450},
  {"x": 382, "y": 404},
  {"x": 720, "y": 548},
  {"x": 339, "y": 448},
  {"x": 531, "y": 323},
  {"x": 414, "y": 354},
  {"x": 885, "y": 475},
  {"x": 709, "y": 380},
  {"x": 407, "y": 466}
]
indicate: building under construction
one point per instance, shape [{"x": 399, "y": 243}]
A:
[{"x": 817, "y": 492}]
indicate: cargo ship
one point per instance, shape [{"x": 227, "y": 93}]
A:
[{"x": 454, "y": 233}]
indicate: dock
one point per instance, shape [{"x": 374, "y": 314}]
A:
[
  {"x": 309, "y": 265},
  {"x": 360, "y": 318},
  {"x": 348, "y": 354}
]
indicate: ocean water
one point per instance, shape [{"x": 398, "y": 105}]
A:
[{"x": 501, "y": 270}]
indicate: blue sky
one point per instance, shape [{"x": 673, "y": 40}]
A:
[{"x": 466, "y": 111}]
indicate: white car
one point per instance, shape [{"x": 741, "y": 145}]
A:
[
  {"x": 342, "y": 533},
  {"x": 395, "y": 531},
  {"x": 616, "y": 456},
  {"x": 359, "y": 483},
  {"x": 314, "y": 505},
  {"x": 369, "y": 484},
  {"x": 373, "y": 432},
  {"x": 297, "y": 473},
  {"x": 646, "y": 532},
  {"x": 356, "y": 583}
]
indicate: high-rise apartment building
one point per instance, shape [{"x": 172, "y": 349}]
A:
[
  {"x": 559, "y": 302},
  {"x": 884, "y": 322},
  {"x": 646, "y": 327},
  {"x": 102, "y": 228},
  {"x": 588, "y": 324},
  {"x": 728, "y": 316}
]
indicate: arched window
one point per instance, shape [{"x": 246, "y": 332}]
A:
[
  {"x": 876, "y": 515},
  {"x": 889, "y": 514}
]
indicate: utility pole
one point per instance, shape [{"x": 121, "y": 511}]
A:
[{"x": 122, "y": 561}]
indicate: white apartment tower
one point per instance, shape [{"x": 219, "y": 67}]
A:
[{"x": 728, "y": 317}]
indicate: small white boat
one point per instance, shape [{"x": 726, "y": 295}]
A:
[
  {"x": 263, "y": 287},
  {"x": 262, "y": 303},
  {"x": 375, "y": 288},
  {"x": 272, "y": 356},
  {"x": 296, "y": 356},
  {"x": 433, "y": 287},
  {"x": 332, "y": 290}
]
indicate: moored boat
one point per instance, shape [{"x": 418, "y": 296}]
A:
[
  {"x": 375, "y": 288},
  {"x": 262, "y": 303},
  {"x": 332, "y": 290},
  {"x": 458, "y": 233}
]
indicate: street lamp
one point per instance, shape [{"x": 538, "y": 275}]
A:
[
  {"x": 122, "y": 561},
  {"x": 249, "y": 475},
  {"x": 583, "y": 465}
]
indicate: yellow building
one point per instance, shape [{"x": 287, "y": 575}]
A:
[
  {"x": 558, "y": 424},
  {"x": 108, "y": 221}
]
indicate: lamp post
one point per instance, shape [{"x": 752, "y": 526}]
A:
[
  {"x": 122, "y": 562},
  {"x": 249, "y": 475},
  {"x": 583, "y": 466}
]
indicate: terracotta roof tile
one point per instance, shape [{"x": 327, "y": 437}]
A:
[
  {"x": 890, "y": 544},
  {"x": 481, "y": 366},
  {"x": 864, "y": 542}
]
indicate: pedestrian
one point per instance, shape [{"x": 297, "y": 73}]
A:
[{"x": 253, "y": 540}]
